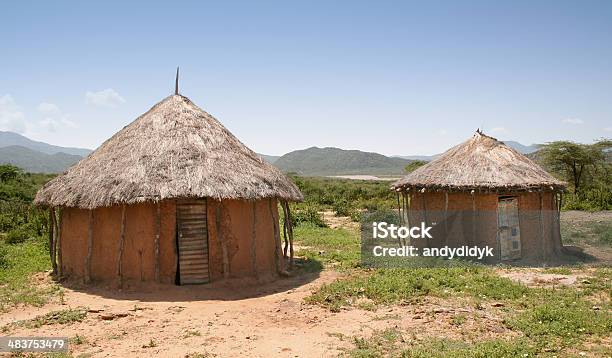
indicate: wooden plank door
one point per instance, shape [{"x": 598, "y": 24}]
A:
[
  {"x": 192, "y": 231},
  {"x": 508, "y": 229}
]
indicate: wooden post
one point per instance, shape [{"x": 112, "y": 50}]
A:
[
  {"x": 446, "y": 218},
  {"x": 89, "y": 247},
  {"x": 157, "y": 237},
  {"x": 542, "y": 226},
  {"x": 290, "y": 230},
  {"x": 254, "y": 240},
  {"x": 58, "y": 243},
  {"x": 277, "y": 248},
  {"x": 425, "y": 215},
  {"x": 286, "y": 247},
  {"x": 226, "y": 266},
  {"x": 121, "y": 246},
  {"x": 473, "y": 218},
  {"x": 399, "y": 210},
  {"x": 52, "y": 240},
  {"x": 405, "y": 215},
  {"x": 285, "y": 229}
]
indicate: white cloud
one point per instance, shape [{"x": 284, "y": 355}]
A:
[
  {"x": 573, "y": 121},
  {"x": 11, "y": 117},
  {"x": 106, "y": 98},
  {"x": 52, "y": 124},
  {"x": 499, "y": 130},
  {"x": 48, "y": 108},
  {"x": 608, "y": 129},
  {"x": 442, "y": 132}
]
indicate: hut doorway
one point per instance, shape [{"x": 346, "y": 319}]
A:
[
  {"x": 192, "y": 242},
  {"x": 508, "y": 228}
]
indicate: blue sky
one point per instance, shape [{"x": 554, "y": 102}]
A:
[{"x": 392, "y": 77}]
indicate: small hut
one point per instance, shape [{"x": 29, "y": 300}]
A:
[
  {"x": 484, "y": 193},
  {"x": 173, "y": 197}
]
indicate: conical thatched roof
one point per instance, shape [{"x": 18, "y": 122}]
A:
[
  {"x": 482, "y": 162},
  {"x": 174, "y": 150}
]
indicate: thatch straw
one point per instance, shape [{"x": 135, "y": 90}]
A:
[
  {"x": 175, "y": 150},
  {"x": 480, "y": 163}
]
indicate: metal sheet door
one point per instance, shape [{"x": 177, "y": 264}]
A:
[
  {"x": 192, "y": 231},
  {"x": 508, "y": 229}
]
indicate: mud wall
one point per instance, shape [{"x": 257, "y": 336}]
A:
[
  {"x": 471, "y": 221},
  {"x": 230, "y": 223}
]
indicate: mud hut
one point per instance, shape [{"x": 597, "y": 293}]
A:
[
  {"x": 173, "y": 197},
  {"x": 484, "y": 193}
]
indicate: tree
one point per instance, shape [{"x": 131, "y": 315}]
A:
[
  {"x": 412, "y": 166},
  {"x": 9, "y": 172},
  {"x": 575, "y": 161}
]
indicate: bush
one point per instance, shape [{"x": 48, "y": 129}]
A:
[
  {"x": 343, "y": 208},
  {"x": 22, "y": 233},
  {"x": 308, "y": 214}
]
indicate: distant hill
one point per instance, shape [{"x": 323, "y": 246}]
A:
[
  {"x": 269, "y": 158},
  {"x": 521, "y": 148},
  {"x": 10, "y": 139},
  {"x": 36, "y": 162},
  {"x": 334, "y": 161},
  {"x": 426, "y": 158}
]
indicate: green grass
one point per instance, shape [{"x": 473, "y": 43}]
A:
[
  {"x": 559, "y": 318},
  {"x": 66, "y": 316},
  {"x": 16, "y": 286},
  {"x": 336, "y": 247},
  {"x": 388, "y": 286},
  {"x": 443, "y": 348},
  {"x": 549, "y": 320},
  {"x": 393, "y": 342}
]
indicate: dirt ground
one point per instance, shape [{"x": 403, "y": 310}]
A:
[{"x": 580, "y": 221}]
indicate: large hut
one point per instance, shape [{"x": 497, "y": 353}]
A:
[
  {"x": 173, "y": 197},
  {"x": 484, "y": 193}
]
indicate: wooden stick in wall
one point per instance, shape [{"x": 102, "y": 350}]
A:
[
  {"x": 89, "y": 247},
  {"x": 58, "y": 242},
  {"x": 121, "y": 246},
  {"x": 254, "y": 240},
  {"x": 157, "y": 237},
  {"x": 52, "y": 239}
]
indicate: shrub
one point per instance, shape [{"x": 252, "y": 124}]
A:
[
  {"x": 22, "y": 233},
  {"x": 343, "y": 208},
  {"x": 308, "y": 214}
]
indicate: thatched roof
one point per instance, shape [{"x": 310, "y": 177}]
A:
[
  {"x": 480, "y": 163},
  {"x": 174, "y": 150}
]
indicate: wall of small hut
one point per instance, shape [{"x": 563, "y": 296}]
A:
[
  {"x": 243, "y": 240},
  {"x": 465, "y": 218}
]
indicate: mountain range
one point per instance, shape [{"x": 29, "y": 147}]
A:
[
  {"x": 316, "y": 161},
  {"x": 40, "y": 157},
  {"x": 10, "y": 138}
]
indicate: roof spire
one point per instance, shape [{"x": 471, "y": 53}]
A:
[{"x": 176, "y": 82}]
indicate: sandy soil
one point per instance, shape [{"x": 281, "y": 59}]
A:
[
  {"x": 335, "y": 222},
  {"x": 580, "y": 221}
]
